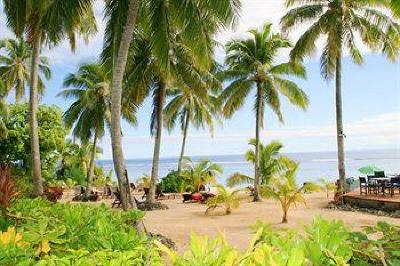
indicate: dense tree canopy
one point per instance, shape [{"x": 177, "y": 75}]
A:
[{"x": 15, "y": 146}]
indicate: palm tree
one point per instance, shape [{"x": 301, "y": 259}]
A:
[
  {"x": 3, "y": 111},
  {"x": 200, "y": 174},
  {"x": 271, "y": 162},
  {"x": 229, "y": 199},
  {"x": 341, "y": 22},
  {"x": 251, "y": 64},
  {"x": 195, "y": 20},
  {"x": 283, "y": 188},
  {"x": 15, "y": 67},
  {"x": 188, "y": 107},
  {"x": 45, "y": 22},
  {"x": 90, "y": 112},
  {"x": 119, "y": 13}
]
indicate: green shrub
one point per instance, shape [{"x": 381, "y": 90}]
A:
[
  {"x": 77, "y": 234},
  {"x": 325, "y": 243},
  {"x": 173, "y": 183}
]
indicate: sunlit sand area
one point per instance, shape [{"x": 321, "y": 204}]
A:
[{"x": 181, "y": 219}]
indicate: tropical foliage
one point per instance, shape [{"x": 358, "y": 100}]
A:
[
  {"x": 228, "y": 199},
  {"x": 46, "y": 23},
  {"x": 251, "y": 64},
  {"x": 90, "y": 113},
  {"x": 15, "y": 67},
  {"x": 16, "y": 146},
  {"x": 271, "y": 163},
  {"x": 190, "y": 107},
  {"x": 283, "y": 188},
  {"x": 326, "y": 185},
  {"x": 199, "y": 175},
  {"x": 325, "y": 243},
  {"x": 341, "y": 22},
  {"x": 72, "y": 234}
]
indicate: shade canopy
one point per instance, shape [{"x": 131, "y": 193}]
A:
[{"x": 369, "y": 169}]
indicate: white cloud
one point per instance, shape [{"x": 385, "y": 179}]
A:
[{"x": 381, "y": 131}]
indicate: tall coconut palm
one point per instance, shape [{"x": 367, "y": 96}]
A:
[
  {"x": 119, "y": 15},
  {"x": 193, "y": 19},
  {"x": 188, "y": 107},
  {"x": 90, "y": 112},
  {"x": 252, "y": 64},
  {"x": 271, "y": 163},
  {"x": 15, "y": 64},
  {"x": 341, "y": 22},
  {"x": 45, "y": 22}
]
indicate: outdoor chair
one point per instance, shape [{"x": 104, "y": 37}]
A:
[
  {"x": 379, "y": 174},
  {"x": 373, "y": 185},
  {"x": 395, "y": 182},
  {"x": 387, "y": 186},
  {"x": 364, "y": 188}
]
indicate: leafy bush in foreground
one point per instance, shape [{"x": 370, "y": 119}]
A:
[
  {"x": 74, "y": 234},
  {"x": 325, "y": 243}
]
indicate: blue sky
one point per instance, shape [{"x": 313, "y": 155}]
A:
[{"x": 371, "y": 102}]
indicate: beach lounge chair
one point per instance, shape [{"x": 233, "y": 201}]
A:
[
  {"x": 117, "y": 200},
  {"x": 186, "y": 197}
]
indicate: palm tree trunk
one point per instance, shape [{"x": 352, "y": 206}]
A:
[
  {"x": 116, "y": 95},
  {"x": 33, "y": 108},
  {"x": 257, "y": 152},
  {"x": 151, "y": 196},
  {"x": 185, "y": 131},
  {"x": 92, "y": 164},
  {"x": 284, "y": 217},
  {"x": 339, "y": 125}
]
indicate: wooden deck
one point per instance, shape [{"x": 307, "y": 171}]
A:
[{"x": 380, "y": 202}]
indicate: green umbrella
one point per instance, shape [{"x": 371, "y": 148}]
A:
[{"x": 369, "y": 169}]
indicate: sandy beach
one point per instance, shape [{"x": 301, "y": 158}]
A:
[{"x": 181, "y": 219}]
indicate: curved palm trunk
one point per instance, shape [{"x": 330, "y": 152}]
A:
[
  {"x": 185, "y": 131},
  {"x": 33, "y": 107},
  {"x": 116, "y": 95},
  {"x": 257, "y": 152},
  {"x": 92, "y": 164},
  {"x": 339, "y": 125},
  {"x": 151, "y": 196}
]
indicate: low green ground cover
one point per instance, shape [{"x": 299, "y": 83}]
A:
[{"x": 38, "y": 232}]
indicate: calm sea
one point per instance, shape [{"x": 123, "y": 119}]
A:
[{"x": 313, "y": 165}]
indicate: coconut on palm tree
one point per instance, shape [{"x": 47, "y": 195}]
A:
[
  {"x": 15, "y": 64},
  {"x": 189, "y": 107},
  {"x": 90, "y": 113},
  {"x": 271, "y": 162},
  {"x": 46, "y": 22},
  {"x": 251, "y": 64},
  {"x": 341, "y": 22}
]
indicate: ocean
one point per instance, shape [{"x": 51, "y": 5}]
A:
[{"x": 313, "y": 165}]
